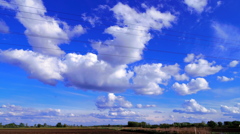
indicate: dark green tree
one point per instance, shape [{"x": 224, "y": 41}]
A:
[
  {"x": 212, "y": 124},
  {"x": 59, "y": 124},
  {"x": 220, "y": 124},
  {"x": 21, "y": 125}
]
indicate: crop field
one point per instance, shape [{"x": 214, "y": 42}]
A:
[{"x": 64, "y": 131}]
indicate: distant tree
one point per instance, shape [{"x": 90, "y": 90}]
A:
[
  {"x": 59, "y": 124},
  {"x": 212, "y": 124},
  {"x": 21, "y": 125},
  {"x": 64, "y": 125},
  {"x": 109, "y": 125},
  {"x": 45, "y": 125},
  {"x": 236, "y": 123},
  {"x": 227, "y": 123},
  {"x": 81, "y": 126},
  {"x": 133, "y": 124},
  {"x": 143, "y": 124},
  {"x": 39, "y": 125},
  {"x": 220, "y": 124}
]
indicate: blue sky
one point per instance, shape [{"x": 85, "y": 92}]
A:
[{"x": 109, "y": 62}]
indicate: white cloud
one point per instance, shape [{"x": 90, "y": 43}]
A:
[
  {"x": 231, "y": 111},
  {"x": 233, "y": 63},
  {"x": 117, "y": 113},
  {"x": 192, "y": 107},
  {"x": 112, "y": 101},
  {"x": 94, "y": 74},
  {"x": 149, "y": 76},
  {"x": 197, "y": 5},
  {"x": 189, "y": 58},
  {"x": 144, "y": 106},
  {"x": 22, "y": 112},
  {"x": 49, "y": 27},
  {"x": 202, "y": 68},
  {"x": 92, "y": 20},
  {"x": 3, "y": 27},
  {"x": 224, "y": 78},
  {"x": 44, "y": 68},
  {"x": 134, "y": 34},
  {"x": 192, "y": 87},
  {"x": 181, "y": 77}
]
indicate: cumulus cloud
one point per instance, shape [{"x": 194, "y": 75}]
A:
[
  {"x": 189, "y": 58},
  {"x": 93, "y": 74},
  {"x": 130, "y": 38},
  {"x": 48, "y": 27},
  {"x": 231, "y": 111},
  {"x": 112, "y": 101},
  {"x": 192, "y": 87},
  {"x": 144, "y": 106},
  {"x": 149, "y": 76},
  {"x": 201, "y": 67},
  {"x": 233, "y": 63},
  {"x": 197, "y": 5},
  {"x": 22, "y": 112},
  {"x": 42, "y": 67},
  {"x": 3, "y": 27},
  {"x": 192, "y": 107},
  {"x": 181, "y": 77},
  {"x": 224, "y": 78}
]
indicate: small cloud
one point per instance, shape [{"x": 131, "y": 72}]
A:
[
  {"x": 3, "y": 27},
  {"x": 224, "y": 78},
  {"x": 192, "y": 107},
  {"x": 233, "y": 63},
  {"x": 196, "y": 5}
]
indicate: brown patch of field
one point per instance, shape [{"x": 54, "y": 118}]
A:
[{"x": 63, "y": 131}]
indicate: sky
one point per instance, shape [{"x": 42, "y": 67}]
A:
[{"x": 98, "y": 62}]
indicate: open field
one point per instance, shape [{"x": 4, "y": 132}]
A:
[{"x": 64, "y": 131}]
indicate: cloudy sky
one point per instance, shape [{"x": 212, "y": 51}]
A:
[{"x": 109, "y": 62}]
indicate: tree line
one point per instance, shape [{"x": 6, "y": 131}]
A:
[
  {"x": 212, "y": 124},
  {"x": 22, "y": 125}
]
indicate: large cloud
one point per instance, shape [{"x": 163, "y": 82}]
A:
[
  {"x": 80, "y": 71},
  {"x": 130, "y": 39},
  {"x": 112, "y": 101},
  {"x": 192, "y": 107},
  {"x": 44, "y": 68},
  {"x": 47, "y": 27},
  {"x": 149, "y": 76},
  {"x": 192, "y": 87},
  {"x": 197, "y": 5}
]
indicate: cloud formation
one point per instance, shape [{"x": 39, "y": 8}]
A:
[
  {"x": 197, "y": 5},
  {"x": 130, "y": 39},
  {"x": 231, "y": 111},
  {"x": 224, "y": 78},
  {"x": 112, "y": 101},
  {"x": 192, "y": 87},
  {"x": 233, "y": 63},
  {"x": 192, "y": 107},
  {"x": 53, "y": 31}
]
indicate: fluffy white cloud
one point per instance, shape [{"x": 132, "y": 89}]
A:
[
  {"x": 192, "y": 87},
  {"x": 224, "y": 78},
  {"x": 149, "y": 76},
  {"x": 130, "y": 39},
  {"x": 231, "y": 111},
  {"x": 80, "y": 71},
  {"x": 44, "y": 68},
  {"x": 192, "y": 107},
  {"x": 202, "y": 68},
  {"x": 181, "y": 77},
  {"x": 197, "y": 5},
  {"x": 94, "y": 74},
  {"x": 48, "y": 27},
  {"x": 144, "y": 106},
  {"x": 112, "y": 101},
  {"x": 3, "y": 27},
  {"x": 189, "y": 58},
  {"x": 233, "y": 63}
]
